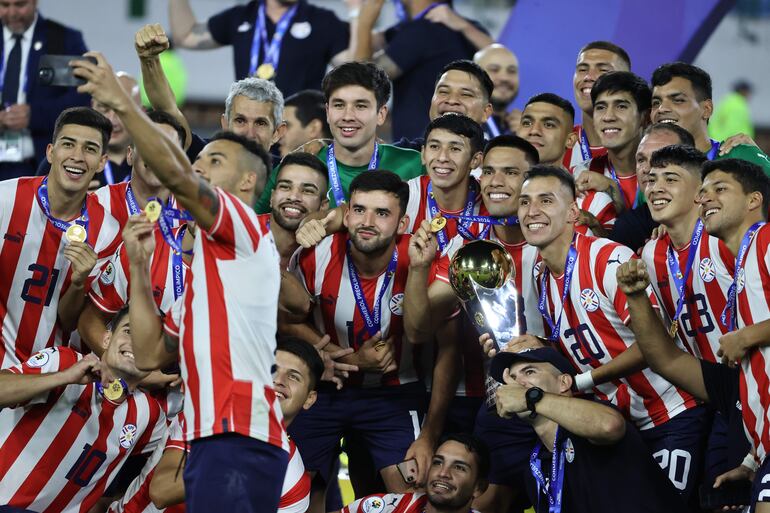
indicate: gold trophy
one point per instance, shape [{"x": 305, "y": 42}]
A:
[{"x": 481, "y": 274}]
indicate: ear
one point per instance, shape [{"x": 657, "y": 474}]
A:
[
  {"x": 481, "y": 487},
  {"x": 315, "y": 129},
  {"x": 324, "y": 203},
  {"x": 223, "y": 122},
  {"x": 106, "y": 339},
  {"x": 403, "y": 224},
  {"x": 345, "y": 219},
  {"x": 130, "y": 155},
  {"x": 573, "y": 213},
  {"x": 310, "y": 401},
  {"x": 249, "y": 181},
  {"x": 279, "y": 132},
  {"x": 565, "y": 383},
  {"x": 755, "y": 201},
  {"x": 646, "y": 119},
  {"x": 571, "y": 140},
  {"x": 382, "y": 115},
  {"x": 48, "y": 151},
  {"x": 102, "y": 162},
  {"x": 476, "y": 160},
  {"x": 423, "y": 160},
  {"x": 708, "y": 109},
  {"x": 488, "y": 111}
]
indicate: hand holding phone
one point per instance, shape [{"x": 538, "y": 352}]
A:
[{"x": 408, "y": 470}]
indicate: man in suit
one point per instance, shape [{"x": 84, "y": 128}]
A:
[{"x": 30, "y": 109}]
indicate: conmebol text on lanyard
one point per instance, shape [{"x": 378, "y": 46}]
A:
[
  {"x": 334, "y": 175},
  {"x": 434, "y": 212},
  {"x": 371, "y": 316},
  {"x": 270, "y": 52},
  {"x": 681, "y": 279},
  {"x": 732, "y": 292},
  {"x": 42, "y": 195},
  {"x": 553, "y": 488},
  {"x": 569, "y": 267}
]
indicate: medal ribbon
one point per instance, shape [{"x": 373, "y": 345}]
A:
[
  {"x": 434, "y": 211},
  {"x": 569, "y": 267},
  {"x": 371, "y": 317},
  {"x": 680, "y": 280},
  {"x": 42, "y": 195},
  {"x": 553, "y": 489},
  {"x": 166, "y": 230},
  {"x": 732, "y": 292},
  {"x": 133, "y": 206},
  {"x": 493, "y": 129},
  {"x": 425, "y": 11},
  {"x": 585, "y": 146},
  {"x": 100, "y": 387},
  {"x": 714, "y": 151},
  {"x": 271, "y": 52},
  {"x": 334, "y": 175}
]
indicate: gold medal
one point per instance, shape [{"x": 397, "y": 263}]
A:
[
  {"x": 379, "y": 346},
  {"x": 437, "y": 224},
  {"x": 114, "y": 391},
  {"x": 674, "y": 327},
  {"x": 479, "y": 319},
  {"x": 152, "y": 210},
  {"x": 266, "y": 71},
  {"x": 75, "y": 233}
]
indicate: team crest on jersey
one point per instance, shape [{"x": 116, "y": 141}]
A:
[
  {"x": 589, "y": 300},
  {"x": 127, "y": 436},
  {"x": 397, "y": 304},
  {"x": 741, "y": 281},
  {"x": 373, "y": 505},
  {"x": 706, "y": 270},
  {"x": 569, "y": 451},
  {"x": 108, "y": 274},
  {"x": 38, "y": 360},
  {"x": 301, "y": 30}
]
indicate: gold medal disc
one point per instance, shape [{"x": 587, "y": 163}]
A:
[
  {"x": 152, "y": 210},
  {"x": 114, "y": 390},
  {"x": 437, "y": 224},
  {"x": 266, "y": 71},
  {"x": 75, "y": 233},
  {"x": 674, "y": 327}
]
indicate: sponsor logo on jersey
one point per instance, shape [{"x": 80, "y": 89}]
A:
[
  {"x": 373, "y": 505},
  {"x": 569, "y": 451},
  {"x": 108, "y": 274},
  {"x": 127, "y": 436},
  {"x": 397, "y": 304},
  {"x": 38, "y": 360},
  {"x": 589, "y": 300},
  {"x": 706, "y": 270}
]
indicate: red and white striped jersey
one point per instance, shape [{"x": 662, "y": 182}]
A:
[
  {"x": 60, "y": 451},
  {"x": 111, "y": 291},
  {"x": 600, "y": 203},
  {"x": 593, "y": 331},
  {"x": 323, "y": 270},
  {"x": 390, "y": 503},
  {"x": 573, "y": 156},
  {"x": 227, "y": 321},
  {"x": 754, "y": 307},
  {"x": 705, "y": 291},
  {"x": 35, "y": 271},
  {"x": 137, "y": 496},
  {"x": 295, "y": 493}
]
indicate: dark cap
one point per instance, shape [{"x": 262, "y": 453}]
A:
[{"x": 504, "y": 360}]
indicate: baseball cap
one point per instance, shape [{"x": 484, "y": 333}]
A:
[
  {"x": 504, "y": 360},
  {"x": 749, "y": 153}
]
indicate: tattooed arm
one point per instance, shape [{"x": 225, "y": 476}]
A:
[{"x": 186, "y": 31}]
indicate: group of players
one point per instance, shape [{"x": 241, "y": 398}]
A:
[{"x": 326, "y": 311}]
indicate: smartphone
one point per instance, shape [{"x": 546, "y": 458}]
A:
[
  {"x": 408, "y": 470},
  {"x": 731, "y": 493},
  {"x": 54, "y": 70}
]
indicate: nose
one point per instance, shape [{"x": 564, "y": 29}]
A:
[
  {"x": 201, "y": 171},
  {"x": 496, "y": 179}
]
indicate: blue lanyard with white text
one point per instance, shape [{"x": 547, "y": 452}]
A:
[
  {"x": 585, "y": 146},
  {"x": 334, "y": 175},
  {"x": 489, "y": 221},
  {"x": 42, "y": 195},
  {"x": 680, "y": 279},
  {"x": 133, "y": 206},
  {"x": 569, "y": 267},
  {"x": 732, "y": 292},
  {"x": 714, "y": 151},
  {"x": 494, "y": 131},
  {"x": 271, "y": 52},
  {"x": 434, "y": 211},
  {"x": 166, "y": 230},
  {"x": 371, "y": 317},
  {"x": 177, "y": 266},
  {"x": 553, "y": 489}
]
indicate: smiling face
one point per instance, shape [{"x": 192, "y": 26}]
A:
[
  {"x": 501, "y": 177},
  {"x": 448, "y": 158},
  {"x": 453, "y": 480},
  {"x": 676, "y": 102},
  {"x": 502, "y": 66},
  {"x": 548, "y": 128},
  {"x": 591, "y": 65},
  {"x": 618, "y": 120},
  {"x": 75, "y": 157},
  {"x": 723, "y": 204},
  {"x": 649, "y": 144},
  {"x": 292, "y": 383},
  {"x": 353, "y": 116},
  {"x": 547, "y": 211},
  {"x": 119, "y": 352},
  {"x": 460, "y": 92},
  {"x": 17, "y": 15},
  {"x": 671, "y": 193},
  {"x": 219, "y": 164},
  {"x": 252, "y": 119},
  {"x": 374, "y": 220},
  {"x": 298, "y": 192}
]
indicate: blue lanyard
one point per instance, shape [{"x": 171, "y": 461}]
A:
[
  {"x": 732, "y": 292},
  {"x": 42, "y": 195},
  {"x": 614, "y": 176},
  {"x": 425, "y": 11},
  {"x": 177, "y": 266},
  {"x": 109, "y": 177},
  {"x": 714, "y": 151},
  {"x": 493, "y": 129},
  {"x": 569, "y": 267},
  {"x": 100, "y": 387},
  {"x": 401, "y": 13},
  {"x": 553, "y": 489},
  {"x": 585, "y": 146},
  {"x": 489, "y": 221},
  {"x": 673, "y": 267},
  {"x": 371, "y": 317},
  {"x": 271, "y": 52},
  {"x": 434, "y": 211},
  {"x": 166, "y": 230},
  {"x": 334, "y": 175},
  {"x": 133, "y": 206}
]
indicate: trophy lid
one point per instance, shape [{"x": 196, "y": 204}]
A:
[{"x": 485, "y": 262}]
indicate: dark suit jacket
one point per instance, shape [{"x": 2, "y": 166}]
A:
[{"x": 46, "y": 103}]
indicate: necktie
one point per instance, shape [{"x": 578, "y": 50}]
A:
[{"x": 12, "y": 72}]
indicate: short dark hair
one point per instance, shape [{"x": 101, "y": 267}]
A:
[
  {"x": 475, "y": 445},
  {"x": 751, "y": 177},
  {"x": 687, "y": 157},
  {"x": 247, "y": 144},
  {"x": 624, "y": 81},
  {"x": 471, "y": 68},
  {"x": 115, "y": 320},
  {"x": 382, "y": 180},
  {"x": 310, "y": 106},
  {"x": 84, "y": 116},
  {"x": 164, "y": 118},
  {"x": 513, "y": 141},
  {"x": 305, "y": 352},
  {"x": 364, "y": 74},
  {"x": 304, "y": 159},
  {"x": 459, "y": 124},
  {"x": 544, "y": 171},
  {"x": 554, "y": 99},
  {"x": 700, "y": 80},
  {"x": 684, "y": 136},
  {"x": 610, "y": 47}
]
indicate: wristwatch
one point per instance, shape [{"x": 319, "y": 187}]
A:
[{"x": 533, "y": 396}]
